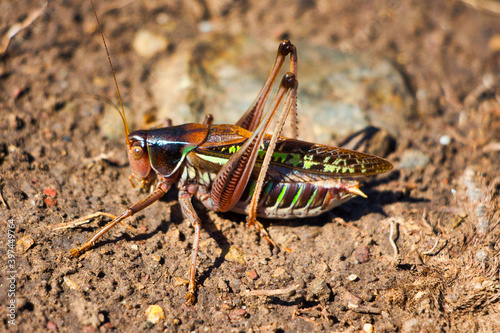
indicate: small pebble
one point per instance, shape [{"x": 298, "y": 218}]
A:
[
  {"x": 352, "y": 277},
  {"x": 235, "y": 255},
  {"x": 51, "y": 326},
  {"x": 280, "y": 274},
  {"x": 89, "y": 329},
  {"x": 226, "y": 306},
  {"x": 419, "y": 295},
  {"x": 162, "y": 18},
  {"x": 50, "y": 202},
  {"x": 367, "y": 296},
  {"x": 70, "y": 283},
  {"x": 174, "y": 235},
  {"x": 368, "y": 328},
  {"x": 252, "y": 274},
  {"x": 24, "y": 243},
  {"x": 177, "y": 281},
  {"x": 414, "y": 159},
  {"x": 148, "y": 44},
  {"x": 481, "y": 256},
  {"x": 444, "y": 140},
  {"x": 205, "y": 26},
  {"x": 154, "y": 314},
  {"x": 134, "y": 247},
  {"x": 352, "y": 299},
  {"x": 411, "y": 325},
  {"x": 319, "y": 288},
  {"x": 237, "y": 314},
  {"x": 50, "y": 192},
  {"x": 362, "y": 254}
]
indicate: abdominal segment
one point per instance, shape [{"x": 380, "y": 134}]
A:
[{"x": 291, "y": 200}]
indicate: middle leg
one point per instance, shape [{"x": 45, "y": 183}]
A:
[{"x": 190, "y": 213}]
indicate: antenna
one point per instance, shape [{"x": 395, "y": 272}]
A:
[{"x": 122, "y": 113}]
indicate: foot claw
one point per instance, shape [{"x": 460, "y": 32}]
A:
[
  {"x": 75, "y": 253},
  {"x": 270, "y": 242},
  {"x": 190, "y": 298}
]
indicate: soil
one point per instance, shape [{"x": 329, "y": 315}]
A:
[{"x": 336, "y": 272}]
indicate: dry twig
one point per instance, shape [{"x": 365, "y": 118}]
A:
[
  {"x": 3, "y": 199},
  {"x": 391, "y": 238},
  {"x": 81, "y": 221},
  {"x": 274, "y": 292},
  {"x": 431, "y": 252},
  {"x": 18, "y": 27}
]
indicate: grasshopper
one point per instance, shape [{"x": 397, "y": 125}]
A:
[{"x": 240, "y": 168}]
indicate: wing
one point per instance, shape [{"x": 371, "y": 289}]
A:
[{"x": 293, "y": 160}]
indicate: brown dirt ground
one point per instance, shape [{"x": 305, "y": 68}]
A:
[{"x": 445, "y": 276}]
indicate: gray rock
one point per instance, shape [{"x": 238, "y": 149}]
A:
[{"x": 339, "y": 93}]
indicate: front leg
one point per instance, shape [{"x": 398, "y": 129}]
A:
[
  {"x": 190, "y": 213},
  {"x": 153, "y": 197}
]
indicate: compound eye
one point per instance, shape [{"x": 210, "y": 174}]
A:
[{"x": 137, "y": 152}]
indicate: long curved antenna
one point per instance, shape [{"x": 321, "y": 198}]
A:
[{"x": 122, "y": 113}]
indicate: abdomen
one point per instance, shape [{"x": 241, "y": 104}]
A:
[{"x": 291, "y": 200}]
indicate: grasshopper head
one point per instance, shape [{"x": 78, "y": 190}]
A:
[{"x": 138, "y": 156}]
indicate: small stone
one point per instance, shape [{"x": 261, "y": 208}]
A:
[
  {"x": 70, "y": 283},
  {"x": 368, "y": 328},
  {"x": 481, "y": 256},
  {"x": 89, "y": 329},
  {"x": 320, "y": 288},
  {"x": 50, "y": 202},
  {"x": 367, "y": 296},
  {"x": 50, "y": 192},
  {"x": 445, "y": 140},
  {"x": 173, "y": 235},
  {"x": 51, "y": 326},
  {"x": 219, "y": 75},
  {"x": 352, "y": 278},
  {"x": 352, "y": 300},
  {"x": 154, "y": 314},
  {"x": 323, "y": 268},
  {"x": 237, "y": 314},
  {"x": 362, "y": 254},
  {"x": 226, "y": 306},
  {"x": 177, "y": 281},
  {"x": 280, "y": 274},
  {"x": 147, "y": 44},
  {"x": 414, "y": 159},
  {"x": 134, "y": 247},
  {"x": 205, "y": 26},
  {"x": 252, "y": 274},
  {"x": 410, "y": 325},
  {"x": 24, "y": 243},
  {"x": 162, "y": 18},
  {"x": 235, "y": 255},
  {"x": 86, "y": 312}
]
